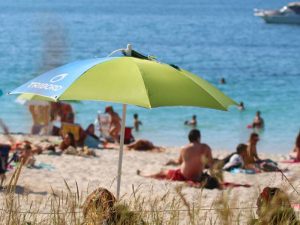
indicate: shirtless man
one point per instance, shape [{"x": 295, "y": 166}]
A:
[
  {"x": 193, "y": 159},
  {"x": 115, "y": 123},
  {"x": 258, "y": 121}
]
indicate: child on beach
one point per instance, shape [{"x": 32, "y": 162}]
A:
[
  {"x": 144, "y": 145},
  {"x": 136, "y": 122}
]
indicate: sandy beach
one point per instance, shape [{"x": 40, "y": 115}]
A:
[{"x": 37, "y": 184}]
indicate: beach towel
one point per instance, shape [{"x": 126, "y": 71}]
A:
[
  {"x": 239, "y": 170},
  {"x": 44, "y": 166},
  {"x": 207, "y": 181},
  {"x": 223, "y": 185},
  {"x": 291, "y": 161}
]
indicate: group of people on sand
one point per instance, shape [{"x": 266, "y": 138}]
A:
[{"x": 195, "y": 160}]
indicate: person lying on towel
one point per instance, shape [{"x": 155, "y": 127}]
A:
[{"x": 193, "y": 159}]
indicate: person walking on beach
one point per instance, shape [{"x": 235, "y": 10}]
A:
[
  {"x": 258, "y": 121},
  {"x": 115, "y": 123},
  {"x": 192, "y": 122},
  {"x": 193, "y": 158},
  {"x": 136, "y": 122}
]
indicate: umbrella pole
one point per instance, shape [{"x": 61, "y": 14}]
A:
[{"x": 121, "y": 150}]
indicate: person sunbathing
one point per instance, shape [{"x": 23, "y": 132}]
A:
[
  {"x": 193, "y": 159},
  {"x": 143, "y": 145},
  {"x": 68, "y": 140}
]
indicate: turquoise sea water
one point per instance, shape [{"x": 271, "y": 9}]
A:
[{"x": 214, "y": 39}]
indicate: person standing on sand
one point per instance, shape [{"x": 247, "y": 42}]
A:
[
  {"x": 136, "y": 122},
  {"x": 193, "y": 159},
  {"x": 115, "y": 123},
  {"x": 258, "y": 121}
]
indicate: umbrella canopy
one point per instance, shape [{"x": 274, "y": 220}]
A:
[
  {"x": 128, "y": 80},
  {"x": 32, "y": 99}
]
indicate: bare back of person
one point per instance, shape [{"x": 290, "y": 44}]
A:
[{"x": 194, "y": 158}]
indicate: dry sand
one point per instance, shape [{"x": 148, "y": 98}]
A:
[{"x": 93, "y": 172}]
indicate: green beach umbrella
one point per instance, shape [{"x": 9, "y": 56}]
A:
[{"x": 132, "y": 79}]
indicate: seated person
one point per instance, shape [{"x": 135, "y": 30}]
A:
[
  {"x": 91, "y": 140},
  {"x": 253, "y": 159},
  {"x": 143, "y": 145},
  {"x": 251, "y": 156},
  {"x": 68, "y": 140},
  {"x": 193, "y": 158},
  {"x": 274, "y": 207},
  {"x": 296, "y": 152},
  {"x": 237, "y": 159}
]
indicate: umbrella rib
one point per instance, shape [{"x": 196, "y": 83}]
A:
[
  {"x": 143, "y": 81},
  {"x": 223, "y": 106}
]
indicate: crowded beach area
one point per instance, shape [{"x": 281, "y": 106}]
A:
[
  {"x": 149, "y": 112},
  {"x": 78, "y": 160}
]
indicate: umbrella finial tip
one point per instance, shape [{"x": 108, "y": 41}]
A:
[{"x": 128, "y": 50}]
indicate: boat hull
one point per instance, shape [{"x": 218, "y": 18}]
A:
[{"x": 281, "y": 19}]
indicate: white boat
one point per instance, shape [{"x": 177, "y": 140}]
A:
[{"x": 289, "y": 14}]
